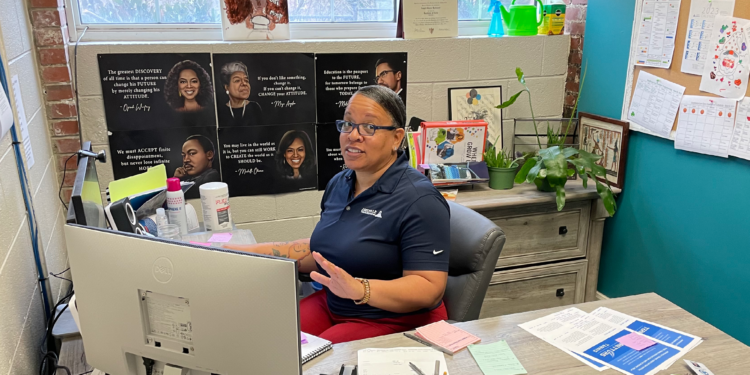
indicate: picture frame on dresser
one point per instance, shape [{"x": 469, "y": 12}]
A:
[
  {"x": 478, "y": 103},
  {"x": 607, "y": 138}
]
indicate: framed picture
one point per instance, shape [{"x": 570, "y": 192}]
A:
[
  {"x": 607, "y": 138},
  {"x": 478, "y": 103}
]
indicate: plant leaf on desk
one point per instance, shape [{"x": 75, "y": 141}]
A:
[
  {"x": 570, "y": 151},
  {"x": 571, "y": 172},
  {"x": 584, "y": 176},
  {"x": 519, "y": 74},
  {"x": 556, "y": 164},
  {"x": 524, "y": 171},
  {"x": 534, "y": 172},
  {"x": 510, "y": 101},
  {"x": 607, "y": 198},
  {"x": 560, "y": 196}
]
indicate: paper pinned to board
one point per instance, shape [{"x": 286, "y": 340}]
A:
[
  {"x": 6, "y": 114},
  {"x": 705, "y": 125},
  {"x": 727, "y": 66},
  {"x": 740, "y": 144},
  {"x": 656, "y": 34},
  {"x": 699, "y": 30},
  {"x": 22, "y": 125},
  {"x": 496, "y": 359},
  {"x": 655, "y": 103}
]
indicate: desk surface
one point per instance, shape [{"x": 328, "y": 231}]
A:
[
  {"x": 481, "y": 197},
  {"x": 720, "y": 352}
]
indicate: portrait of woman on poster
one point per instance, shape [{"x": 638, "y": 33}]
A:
[
  {"x": 238, "y": 110},
  {"x": 188, "y": 87},
  {"x": 295, "y": 158}
]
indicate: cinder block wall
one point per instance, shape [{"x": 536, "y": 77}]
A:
[
  {"x": 434, "y": 66},
  {"x": 21, "y": 310}
]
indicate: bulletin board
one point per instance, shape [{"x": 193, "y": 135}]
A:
[{"x": 691, "y": 82}]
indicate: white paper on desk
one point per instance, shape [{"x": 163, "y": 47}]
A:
[
  {"x": 699, "y": 31},
  {"x": 551, "y": 325},
  {"x": 656, "y": 33},
  {"x": 727, "y": 66},
  {"x": 22, "y": 126},
  {"x": 395, "y": 361},
  {"x": 655, "y": 103},
  {"x": 705, "y": 125},
  {"x": 698, "y": 368},
  {"x": 6, "y": 114},
  {"x": 740, "y": 145}
]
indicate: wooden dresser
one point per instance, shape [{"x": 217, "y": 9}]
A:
[{"x": 550, "y": 258}]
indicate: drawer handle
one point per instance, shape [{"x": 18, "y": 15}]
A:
[
  {"x": 560, "y": 292},
  {"x": 563, "y": 230}
]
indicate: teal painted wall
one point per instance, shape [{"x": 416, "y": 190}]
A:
[{"x": 682, "y": 228}]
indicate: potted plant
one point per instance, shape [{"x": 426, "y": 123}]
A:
[
  {"x": 550, "y": 167},
  {"x": 502, "y": 167}
]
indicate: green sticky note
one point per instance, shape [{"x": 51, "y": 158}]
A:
[
  {"x": 496, "y": 359},
  {"x": 153, "y": 178}
]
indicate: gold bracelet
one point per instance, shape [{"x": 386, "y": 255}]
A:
[{"x": 366, "y": 298}]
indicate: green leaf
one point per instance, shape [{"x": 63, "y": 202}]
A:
[
  {"x": 519, "y": 74},
  {"x": 524, "y": 171},
  {"x": 510, "y": 101},
  {"x": 584, "y": 177},
  {"x": 599, "y": 170},
  {"x": 607, "y": 198},
  {"x": 560, "y": 196},
  {"x": 571, "y": 172},
  {"x": 557, "y": 166},
  {"x": 533, "y": 172},
  {"x": 569, "y": 151}
]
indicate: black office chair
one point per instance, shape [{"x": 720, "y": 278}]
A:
[{"x": 476, "y": 243}]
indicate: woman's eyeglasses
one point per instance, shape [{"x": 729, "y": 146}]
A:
[
  {"x": 363, "y": 129},
  {"x": 382, "y": 74}
]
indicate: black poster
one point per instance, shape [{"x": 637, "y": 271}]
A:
[
  {"x": 340, "y": 75},
  {"x": 330, "y": 160},
  {"x": 157, "y": 91},
  {"x": 188, "y": 153},
  {"x": 268, "y": 159},
  {"x": 264, "y": 88}
]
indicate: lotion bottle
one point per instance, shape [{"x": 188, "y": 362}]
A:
[{"x": 176, "y": 205}]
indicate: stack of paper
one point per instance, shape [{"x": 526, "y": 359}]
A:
[
  {"x": 609, "y": 339},
  {"x": 496, "y": 359},
  {"x": 447, "y": 336},
  {"x": 395, "y": 361}
]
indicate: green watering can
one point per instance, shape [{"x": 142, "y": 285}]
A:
[{"x": 522, "y": 19}]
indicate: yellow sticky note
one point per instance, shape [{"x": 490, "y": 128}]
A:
[{"x": 153, "y": 178}]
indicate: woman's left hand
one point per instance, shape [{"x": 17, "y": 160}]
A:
[{"x": 339, "y": 281}]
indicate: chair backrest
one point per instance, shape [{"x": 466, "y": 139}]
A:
[{"x": 476, "y": 243}]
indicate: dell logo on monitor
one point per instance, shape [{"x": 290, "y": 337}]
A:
[{"x": 163, "y": 270}]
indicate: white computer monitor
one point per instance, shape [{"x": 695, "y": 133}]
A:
[{"x": 212, "y": 311}]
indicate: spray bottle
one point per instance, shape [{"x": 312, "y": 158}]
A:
[{"x": 496, "y": 25}]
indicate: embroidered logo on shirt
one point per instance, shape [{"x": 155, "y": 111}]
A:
[
  {"x": 376, "y": 213},
  {"x": 435, "y": 252}
]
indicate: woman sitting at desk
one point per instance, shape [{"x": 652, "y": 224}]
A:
[{"x": 382, "y": 245}]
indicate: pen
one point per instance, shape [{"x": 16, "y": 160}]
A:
[
  {"x": 417, "y": 339},
  {"x": 416, "y": 369},
  {"x": 437, "y": 367}
]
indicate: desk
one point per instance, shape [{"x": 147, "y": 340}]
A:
[
  {"x": 550, "y": 258},
  {"x": 720, "y": 352}
]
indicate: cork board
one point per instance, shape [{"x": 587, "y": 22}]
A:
[{"x": 691, "y": 82}]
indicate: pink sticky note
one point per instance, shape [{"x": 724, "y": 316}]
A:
[
  {"x": 201, "y": 243},
  {"x": 220, "y": 237},
  {"x": 304, "y": 338},
  {"x": 636, "y": 341}
]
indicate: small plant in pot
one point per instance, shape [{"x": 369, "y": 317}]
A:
[
  {"x": 549, "y": 168},
  {"x": 502, "y": 167}
]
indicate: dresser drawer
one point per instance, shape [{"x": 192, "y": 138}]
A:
[
  {"x": 535, "y": 288},
  {"x": 542, "y": 234}
]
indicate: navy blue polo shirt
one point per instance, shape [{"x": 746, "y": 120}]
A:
[{"x": 401, "y": 223}]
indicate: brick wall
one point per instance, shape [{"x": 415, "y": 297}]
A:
[
  {"x": 50, "y": 41},
  {"x": 575, "y": 24}
]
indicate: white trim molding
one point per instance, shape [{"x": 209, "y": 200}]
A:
[{"x": 600, "y": 296}]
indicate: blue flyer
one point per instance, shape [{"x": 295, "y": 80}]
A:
[{"x": 619, "y": 356}]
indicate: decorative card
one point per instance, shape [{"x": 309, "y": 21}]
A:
[
  {"x": 478, "y": 103},
  {"x": 725, "y": 72},
  {"x": 453, "y": 141}
]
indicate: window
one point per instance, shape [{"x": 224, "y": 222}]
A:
[{"x": 471, "y": 10}]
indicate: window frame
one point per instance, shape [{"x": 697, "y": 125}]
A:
[{"x": 212, "y": 32}]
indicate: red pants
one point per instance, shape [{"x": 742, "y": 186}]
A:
[{"x": 317, "y": 320}]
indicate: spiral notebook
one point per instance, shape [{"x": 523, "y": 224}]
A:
[{"x": 314, "y": 347}]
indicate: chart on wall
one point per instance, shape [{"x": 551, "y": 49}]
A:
[
  {"x": 189, "y": 153},
  {"x": 269, "y": 159},
  {"x": 160, "y": 110},
  {"x": 157, "y": 90},
  {"x": 264, "y": 88},
  {"x": 330, "y": 160},
  {"x": 726, "y": 70},
  {"x": 340, "y": 75}
]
